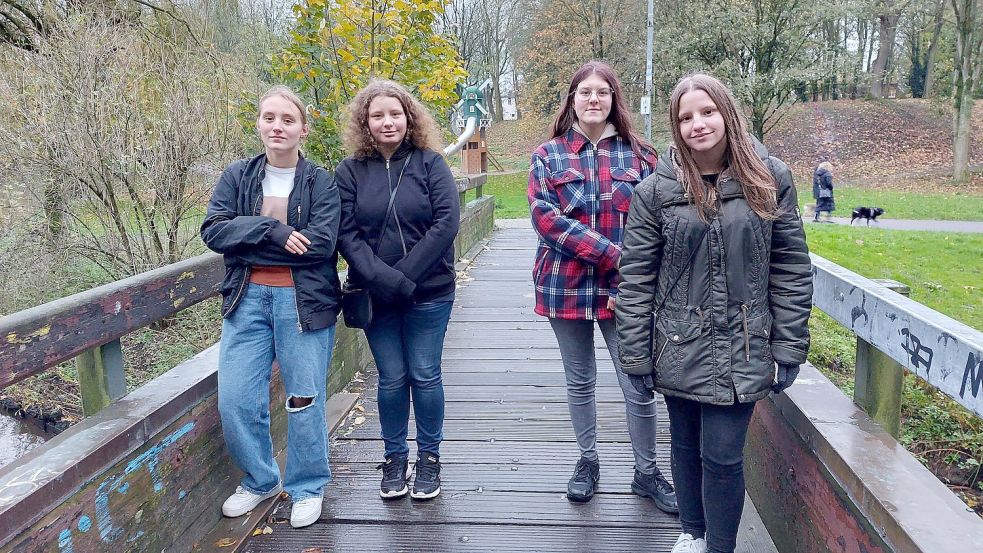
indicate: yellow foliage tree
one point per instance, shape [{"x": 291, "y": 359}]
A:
[{"x": 337, "y": 46}]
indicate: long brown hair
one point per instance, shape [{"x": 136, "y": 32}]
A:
[
  {"x": 741, "y": 160},
  {"x": 619, "y": 117},
  {"x": 421, "y": 130}
]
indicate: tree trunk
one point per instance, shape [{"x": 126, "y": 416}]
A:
[
  {"x": 515, "y": 91},
  {"x": 967, "y": 61},
  {"x": 933, "y": 49},
  {"x": 888, "y": 26},
  {"x": 497, "y": 99}
]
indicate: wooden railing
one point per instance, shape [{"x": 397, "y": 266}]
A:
[
  {"x": 938, "y": 349},
  {"x": 89, "y": 325},
  {"x": 825, "y": 471}
]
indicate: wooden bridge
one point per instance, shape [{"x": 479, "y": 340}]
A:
[
  {"x": 148, "y": 471},
  {"x": 508, "y": 450}
]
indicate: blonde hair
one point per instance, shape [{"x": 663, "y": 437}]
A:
[
  {"x": 757, "y": 182},
  {"x": 421, "y": 129},
  {"x": 288, "y": 95},
  {"x": 826, "y": 165}
]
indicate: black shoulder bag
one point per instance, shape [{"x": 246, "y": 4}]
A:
[{"x": 356, "y": 303}]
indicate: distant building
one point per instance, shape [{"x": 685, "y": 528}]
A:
[{"x": 509, "y": 111}]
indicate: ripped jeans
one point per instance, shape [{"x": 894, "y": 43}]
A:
[{"x": 263, "y": 327}]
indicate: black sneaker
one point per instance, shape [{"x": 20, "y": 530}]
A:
[
  {"x": 395, "y": 472},
  {"x": 581, "y": 486},
  {"x": 658, "y": 488},
  {"x": 426, "y": 485}
]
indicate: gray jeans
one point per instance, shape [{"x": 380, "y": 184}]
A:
[{"x": 576, "y": 340}]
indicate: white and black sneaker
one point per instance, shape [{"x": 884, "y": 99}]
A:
[
  {"x": 426, "y": 485},
  {"x": 395, "y": 473}
]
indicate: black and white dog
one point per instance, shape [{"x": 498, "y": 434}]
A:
[{"x": 869, "y": 213}]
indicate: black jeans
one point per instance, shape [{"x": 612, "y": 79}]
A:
[{"x": 708, "y": 468}]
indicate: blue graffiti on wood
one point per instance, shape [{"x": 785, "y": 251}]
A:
[{"x": 117, "y": 482}]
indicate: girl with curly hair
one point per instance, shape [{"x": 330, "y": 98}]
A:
[{"x": 400, "y": 215}]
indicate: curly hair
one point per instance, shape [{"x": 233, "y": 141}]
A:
[{"x": 421, "y": 129}]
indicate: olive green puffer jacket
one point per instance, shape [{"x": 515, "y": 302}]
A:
[{"x": 742, "y": 305}]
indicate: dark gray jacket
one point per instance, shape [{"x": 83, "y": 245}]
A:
[{"x": 743, "y": 304}]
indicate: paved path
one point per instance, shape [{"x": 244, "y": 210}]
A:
[
  {"x": 508, "y": 450},
  {"x": 913, "y": 224}
]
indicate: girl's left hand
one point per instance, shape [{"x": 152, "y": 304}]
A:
[
  {"x": 611, "y": 304},
  {"x": 297, "y": 243}
]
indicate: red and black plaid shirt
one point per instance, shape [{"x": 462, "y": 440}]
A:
[{"x": 579, "y": 195}]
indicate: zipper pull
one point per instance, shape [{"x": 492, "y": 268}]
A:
[{"x": 747, "y": 338}]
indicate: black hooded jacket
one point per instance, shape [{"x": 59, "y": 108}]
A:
[
  {"x": 233, "y": 227},
  {"x": 427, "y": 206}
]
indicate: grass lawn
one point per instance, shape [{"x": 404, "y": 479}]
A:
[
  {"x": 944, "y": 270},
  {"x": 957, "y": 206},
  {"x": 510, "y": 195},
  {"x": 511, "y": 203}
]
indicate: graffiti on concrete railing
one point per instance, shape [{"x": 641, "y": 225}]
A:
[
  {"x": 919, "y": 355},
  {"x": 944, "y": 352},
  {"x": 860, "y": 310},
  {"x": 117, "y": 483},
  {"x": 972, "y": 375}
]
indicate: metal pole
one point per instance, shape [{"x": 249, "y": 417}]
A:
[{"x": 648, "y": 69}]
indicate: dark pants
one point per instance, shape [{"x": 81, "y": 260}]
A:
[
  {"x": 407, "y": 345},
  {"x": 708, "y": 468}
]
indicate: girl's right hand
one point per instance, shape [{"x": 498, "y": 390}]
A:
[{"x": 297, "y": 243}]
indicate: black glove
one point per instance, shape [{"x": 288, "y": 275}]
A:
[
  {"x": 643, "y": 384},
  {"x": 786, "y": 376}
]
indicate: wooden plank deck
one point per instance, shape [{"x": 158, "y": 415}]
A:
[{"x": 509, "y": 447}]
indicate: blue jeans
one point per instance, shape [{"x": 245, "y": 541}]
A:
[
  {"x": 264, "y": 326},
  {"x": 407, "y": 345},
  {"x": 708, "y": 468}
]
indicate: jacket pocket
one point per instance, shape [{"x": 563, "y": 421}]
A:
[
  {"x": 678, "y": 349},
  {"x": 571, "y": 189},
  {"x": 758, "y": 339},
  {"x": 623, "y": 183}
]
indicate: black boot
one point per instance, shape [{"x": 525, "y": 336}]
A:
[
  {"x": 658, "y": 488},
  {"x": 581, "y": 486}
]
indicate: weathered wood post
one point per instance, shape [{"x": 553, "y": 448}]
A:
[
  {"x": 879, "y": 379},
  {"x": 101, "y": 376}
]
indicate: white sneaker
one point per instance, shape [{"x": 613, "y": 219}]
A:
[
  {"x": 305, "y": 512},
  {"x": 687, "y": 544},
  {"x": 244, "y": 501}
]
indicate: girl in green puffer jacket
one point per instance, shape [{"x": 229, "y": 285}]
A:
[{"x": 714, "y": 245}]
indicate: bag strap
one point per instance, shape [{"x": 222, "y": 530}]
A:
[
  {"x": 391, "y": 208},
  {"x": 689, "y": 261}
]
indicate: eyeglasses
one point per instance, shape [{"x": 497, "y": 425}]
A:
[{"x": 586, "y": 93}]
